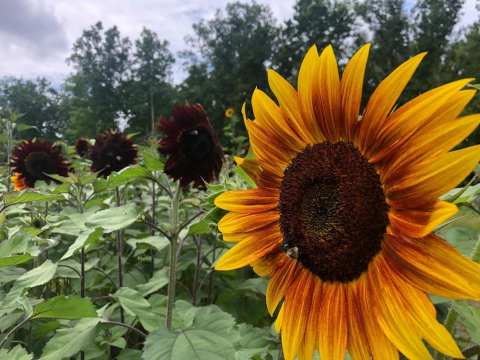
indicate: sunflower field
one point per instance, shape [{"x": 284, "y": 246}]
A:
[{"x": 331, "y": 213}]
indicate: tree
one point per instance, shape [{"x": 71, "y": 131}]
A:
[
  {"x": 148, "y": 89},
  {"x": 233, "y": 50},
  {"x": 38, "y": 104},
  {"x": 319, "y": 22},
  {"x": 101, "y": 59}
]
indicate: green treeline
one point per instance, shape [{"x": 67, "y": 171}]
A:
[{"x": 117, "y": 80}]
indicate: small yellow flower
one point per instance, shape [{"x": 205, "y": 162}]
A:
[{"x": 229, "y": 112}]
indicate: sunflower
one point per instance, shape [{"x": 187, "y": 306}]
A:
[
  {"x": 34, "y": 160},
  {"x": 342, "y": 216},
  {"x": 191, "y": 145},
  {"x": 82, "y": 147},
  {"x": 229, "y": 112},
  {"x": 111, "y": 152}
]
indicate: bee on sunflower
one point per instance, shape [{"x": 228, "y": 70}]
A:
[
  {"x": 34, "y": 160},
  {"x": 346, "y": 201},
  {"x": 111, "y": 152},
  {"x": 194, "y": 154}
]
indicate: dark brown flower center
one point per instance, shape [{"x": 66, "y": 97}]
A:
[
  {"x": 196, "y": 143},
  {"x": 333, "y": 213},
  {"x": 39, "y": 163}
]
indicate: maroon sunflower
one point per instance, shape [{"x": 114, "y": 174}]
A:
[
  {"x": 112, "y": 151},
  {"x": 34, "y": 160},
  {"x": 191, "y": 145},
  {"x": 82, "y": 147}
]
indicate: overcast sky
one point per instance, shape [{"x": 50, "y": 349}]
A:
[{"x": 36, "y": 35}]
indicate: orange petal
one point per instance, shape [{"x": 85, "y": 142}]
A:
[
  {"x": 236, "y": 226},
  {"x": 351, "y": 89},
  {"x": 289, "y": 103},
  {"x": 333, "y": 333},
  {"x": 307, "y": 91},
  {"x": 382, "y": 101},
  {"x": 419, "y": 223},
  {"x": 357, "y": 334},
  {"x": 250, "y": 166},
  {"x": 435, "y": 266},
  {"x": 247, "y": 201},
  {"x": 279, "y": 284},
  {"x": 328, "y": 102},
  {"x": 311, "y": 332}
]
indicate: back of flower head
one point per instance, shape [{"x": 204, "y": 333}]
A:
[{"x": 194, "y": 154}]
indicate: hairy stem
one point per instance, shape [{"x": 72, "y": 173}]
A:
[
  {"x": 196, "y": 275},
  {"x": 119, "y": 235},
  {"x": 15, "y": 328},
  {"x": 173, "y": 255}
]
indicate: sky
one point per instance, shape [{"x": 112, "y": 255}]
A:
[{"x": 36, "y": 36}]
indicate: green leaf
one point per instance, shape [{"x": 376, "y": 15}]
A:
[
  {"x": 28, "y": 196},
  {"x": 157, "y": 242},
  {"x": 37, "y": 276},
  {"x": 127, "y": 175},
  {"x": 152, "y": 160},
  {"x": 65, "y": 307},
  {"x": 17, "y": 353},
  {"x": 157, "y": 282},
  {"x": 69, "y": 341},
  {"x": 213, "y": 319},
  {"x": 114, "y": 218},
  {"x": 14, "y": 260},
  {"x": 190, "y": 344},
  {"x": 86, "y": 237},
  {"x": 470, "y": 318},
  {"x": 132, "y": 301}
]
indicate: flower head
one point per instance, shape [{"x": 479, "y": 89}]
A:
[
  {"x": 34, "y": 160},
  {"x": 112, "y": 151},
  {"x": 191, "y": 145},
  {"x": 346, "y": 201},
  {"x": 82, "y": 147},
  {"x": 229, "y": 112}
]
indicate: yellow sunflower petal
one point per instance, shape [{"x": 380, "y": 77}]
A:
[
  {"x": 307, "y": 81},
  {"x": 247, "y": 201},
  {"x": 430, "y": 144},
  {"x": 357, "y": 335},
  {"x": 269, "y": 116},
  {"x": 311, "y": 332},
  {"x": 434, "y": 266},
  {"x": 333, "y": 333},
  {"x": 287, "y": 97},
  {"x": 279, "y": 284},
  {"x": 419, "y": 223},
  {"x": 297, "y": 309},
  {"x": 351, "y": 89},
  {"x": 250, "y": 166},
  {"x": 249, "y": 250},
  {"x": 433, "y": 178},
  {"x": 328, "y": 102},
  {"x": 236, "y": 226},
  {"x": 382, "y": 101}
]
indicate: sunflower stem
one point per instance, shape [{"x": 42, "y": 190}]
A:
[
  {"x": 173, "y": 255},
  {"x": 152, "y": 227},
  {"x": 119, "y": 235}
]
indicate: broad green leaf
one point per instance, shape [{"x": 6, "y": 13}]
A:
[
  {"x": 470, "y": 318},
  {"x": 130, "y": 354},
  {"x": 157, "y": 242},
  {"x": 65, "y": 307},
  {"x": 189, "y": 344},
  {"x": 213, "y": 319},
  {"x": 127, "y": 175},
  {"x": 114, "y": 218},
  {"x": 28, "y": 196},
  {"x": 69, "y": 341},
  {"x": 37, "y": 276},
  {"x": 18, "y": 243},
  {"x": 83, "y": 239},
  {"x": 157, "y": 282},
  {"x": 14, "y": 260},
  {"x": 152, "y": 160},
  {"x": 17, "y": 353},
  {"x": 132, "y": 301}
]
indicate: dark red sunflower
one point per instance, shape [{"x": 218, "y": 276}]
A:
[
  {"x": 82, "y": 147},
  {"x": 112, "y": 151},
  {"x": 191, "y": 145},
  {"x": 34, "y": 160}
]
